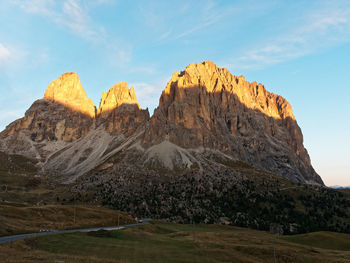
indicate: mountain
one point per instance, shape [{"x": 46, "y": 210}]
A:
[
  {"x": 339, "y": 187},
  {"x": 205, "y": 115},
  {"x": 207, "y": 107},
  {"x": 218, "y": 149},
  {"x": 62, "y": 116}
]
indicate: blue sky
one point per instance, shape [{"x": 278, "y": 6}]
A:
[{"x": 298, "y": 49}]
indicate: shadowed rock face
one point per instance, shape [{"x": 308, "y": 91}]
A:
[
  {"x": 206, "y": 106},
  {"x": 119, "y": 110},
  {"x": 203, "y": 111},
  {"x": 49, "y": 121}
]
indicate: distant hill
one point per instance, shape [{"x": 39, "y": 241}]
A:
[{"x": 339, "y": 187}]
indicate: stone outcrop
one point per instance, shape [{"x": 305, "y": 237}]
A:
[
  {"x": 119, "y": 110},
  {"x": 206, "y": 106}
]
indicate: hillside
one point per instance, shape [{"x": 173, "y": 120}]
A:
[
  {"x": 232, "y": 193},
  {"x": 164, "y": 242}
]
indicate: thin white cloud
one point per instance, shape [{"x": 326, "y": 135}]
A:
[
  {"x": 10, "y": 55},
  {"x": 148, "y": 94},
  {"x": 209, "y": 14},
  {"x": 70, "y": 14},
  {"x": 73, "y": 15},
  {"x": 169, "y": 25},
  {"x": 7, "y": 116},
  {"x": 319, "y": 29},
  {"x": 5, "y": 54},
  {"x": 165, "y": 35},
  {"x": 43, "y": 7}
]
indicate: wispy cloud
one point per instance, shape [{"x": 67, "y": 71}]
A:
[
  {"x": 319, "y": 29},
  {"x": 190, "y": 17},
  {"x": 209, "y": 14},
  {"x": 5, "y": 54},
  {"x": 8, "y": 115},
  {"x": 74, "y": 16},
  {"x": 150, "y": 93},
  {"x": 10, "y": 55},
  {"x": 70, "y": 14}
]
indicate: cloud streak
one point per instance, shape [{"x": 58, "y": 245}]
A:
[
  {"x": 5, "y": 54},
  {"x": 319, "y": 29},
  {"x": 10, "y": 55},
  {"x": 209, "y": 14},
  {"x": 69, "y": 14},
  {"x": 73, "y": 16}
]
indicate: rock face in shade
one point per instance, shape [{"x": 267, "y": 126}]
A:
[
  {"x": 119, "y": 110},
  {"x": 206, "y": 106}
]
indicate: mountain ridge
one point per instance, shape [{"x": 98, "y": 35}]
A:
[{"x": 202, "y": 109}]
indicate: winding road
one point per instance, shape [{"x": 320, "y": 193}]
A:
[{"x": 7, "y": 239}]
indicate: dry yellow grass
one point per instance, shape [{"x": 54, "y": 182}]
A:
[
  {"x": 165, "y": 242},
  {"x": 18, "y": 219}
]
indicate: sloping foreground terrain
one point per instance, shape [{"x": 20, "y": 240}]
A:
[
  {"x": 20, "y": 219},
  {"x": 30, "y": 204},
  {"x": 165, "y": 242},
  {"x": 231, "y": 193}
]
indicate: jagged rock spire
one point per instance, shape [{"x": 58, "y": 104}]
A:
[
  {"x": 67, "y": 90},
  {"x": 116, "y": 96}
]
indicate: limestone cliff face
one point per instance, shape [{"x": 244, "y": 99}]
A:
[
  {"x": 118, "y": 95},
  {"x": 206, "y": 106},
  {"x": 120, "y": 111},
  {"x": 67, "y": 91},
  {"x": 64, "y": 115}
]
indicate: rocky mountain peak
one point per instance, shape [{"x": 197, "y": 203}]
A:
[
  {"x": 119, "y": 110},
  {"x": 118, "y": 95},
  {"x": 219, "y": 80},
  {"x": 205, "y": 106},
  {"x": 68, "y": 91}
]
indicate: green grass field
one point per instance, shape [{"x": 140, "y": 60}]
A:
[
  {"x": 166, "y": 242},
  {"x": 18, "y": 218}
]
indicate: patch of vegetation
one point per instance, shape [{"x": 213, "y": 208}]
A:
[
  {"x": 326, "y": 240},
  {"x": 18, "y": 218},
  {"x": 237, "y": 194},
  {"x": 100, "y": 233},
  {"x": 167, "y": 242}
]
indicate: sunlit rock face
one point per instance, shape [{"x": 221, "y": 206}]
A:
[
  {"x": 119, "y": 110},
  {"x": 206, "y": 106},
  {"x": 64, "y": 115},
  {"x": 118, "y": 95},
  {"x": 67, "y": 90}
]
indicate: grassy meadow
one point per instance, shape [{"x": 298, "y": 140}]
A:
[
  {"x": 167, "y": 242},
  {"x": 18, "y": 218}
]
